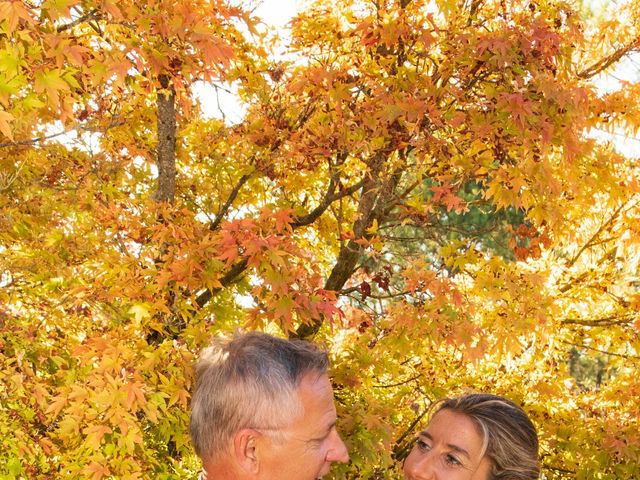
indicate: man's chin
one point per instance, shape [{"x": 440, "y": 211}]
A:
[{"x": 324, "y": 471}]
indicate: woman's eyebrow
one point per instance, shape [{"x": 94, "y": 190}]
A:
[
  {"x": 451, "y": 446},
  {"x": 459, "y": 450}
]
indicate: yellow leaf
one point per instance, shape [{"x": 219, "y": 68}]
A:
[
  {"x": 94, "y": 435},
  {"x": 68, "y": 428},
  {"x": 374, "y": 227},
  {"x": 78, "y": 393},
  {"x": 140, "y": 311},
  {"x": 5, "y": 118},
  {"x": 180, "y": 396},
  {"x": 51, "y": 82},
  {"x": 10, "y": 60}
]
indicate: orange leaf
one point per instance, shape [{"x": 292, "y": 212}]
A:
[
  {"x": 57, "y": 405},
  {"x": 13, "y": 12},
  {"x": 97, "y": 471},
  {"x": 5, "y": 128},
  {"x": 135, "y": 395}
]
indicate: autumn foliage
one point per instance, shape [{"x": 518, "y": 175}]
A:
[{"x": 420, "y": 185}]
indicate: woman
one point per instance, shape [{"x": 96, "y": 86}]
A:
[{"x": 475, "y": 437}]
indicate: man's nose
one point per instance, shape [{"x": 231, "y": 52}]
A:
[{"x": 338, "y": 451}]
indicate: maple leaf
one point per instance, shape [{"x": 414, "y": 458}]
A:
[
  {"x": 78, "y": 393},
  {"x": 13, "y": 12},
  {"x": 179, "y": 396},
  {"x": 216, "y": 51},
  {"x": 444, "y": 194},
  {"x": 56, "y": 406},
  {"x": 283, "y": 308},
  {"x": 96, "y": 470},
  {"x": 112, "y": 9},
  {"x": 94, "y": 435},
  {"x": 51, "y": 82},
  {"x": 499, "y": 47},
  {"x": 5, "y": 128},
  {"x": 519, "y": 108},
  {"x": 283, "y": 218},
  {"x": 135, "y": 395},
  {"x": 405, "y": 112}
]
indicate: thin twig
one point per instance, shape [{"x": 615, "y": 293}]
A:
[
  {"x": 606, "y": 62},
  {"x": 587, "y": 347},
  {"x": 595, "y": 235},
  {"x": 86, "y": 127},
  {"x": 91, "y": 15}
]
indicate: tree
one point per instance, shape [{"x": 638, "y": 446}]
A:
[{"x": 418, "y": 190}]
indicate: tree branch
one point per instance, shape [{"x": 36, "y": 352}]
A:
[
  {"x": 606, "y": 62},
  {"x": 401, "y": 451},
  {"x": 558, "y": 469},
  {"x": 241, "y": 266},
  {"x": 600, "y": 322},
  {"x": 328, "y": 199},
  {"x": 91, "y": 15},
  {"x": 225, "y": 208},
  {"x": 398, "y": 384},
  {"x": 567, "y": 286},
  {"x": 225, "y": 281},
  {"x": 371, "y": 207}
]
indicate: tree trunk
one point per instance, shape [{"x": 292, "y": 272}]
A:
[
  {"x": 372, "y": 191},
  {"x": 166, "y": 150}
]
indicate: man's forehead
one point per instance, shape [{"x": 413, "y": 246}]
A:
[
  {"x": 316, "y": 395},
  {"x": 319, "y": 383}
]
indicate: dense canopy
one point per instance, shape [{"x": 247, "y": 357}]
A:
[{"x": 430, "y": 188}]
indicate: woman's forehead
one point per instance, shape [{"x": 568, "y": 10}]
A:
[{"x": 456, "y": 429}]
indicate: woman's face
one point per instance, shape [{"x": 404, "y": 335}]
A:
[{"x": 450, "y": 448}]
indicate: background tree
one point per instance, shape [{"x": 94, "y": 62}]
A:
[{"x": 418, "y": 188}]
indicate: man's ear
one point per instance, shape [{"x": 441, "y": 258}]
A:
[{"x": 245, "y": 449}]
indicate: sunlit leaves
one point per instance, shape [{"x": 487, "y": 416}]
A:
[{"x": 414, "y": 185}]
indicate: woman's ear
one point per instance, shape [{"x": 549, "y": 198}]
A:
[{"x": 245, "y": 450}]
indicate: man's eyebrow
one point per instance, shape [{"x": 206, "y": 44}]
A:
[
  {"x": 452, "y": 446},
  {"x": 330, "y": 426},
  {"x": 323, "y": 434}
]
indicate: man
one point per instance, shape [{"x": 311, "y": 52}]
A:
[{"x": 263, "y": 409}]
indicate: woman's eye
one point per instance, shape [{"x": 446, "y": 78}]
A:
[
  {"x": 422, "y": 445},
  {"x": 452, "y": 460}
]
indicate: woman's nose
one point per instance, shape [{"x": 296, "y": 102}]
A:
[{"x": 420, "y": 467}]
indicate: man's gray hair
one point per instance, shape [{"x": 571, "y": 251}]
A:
[{"x": 248, "y": 381}]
